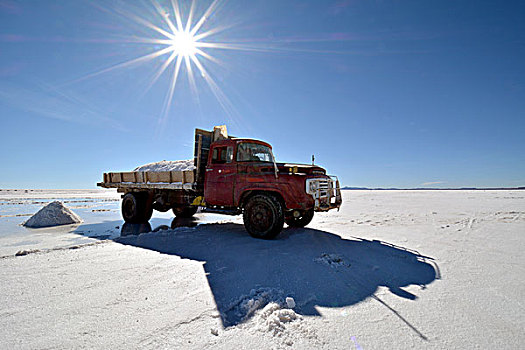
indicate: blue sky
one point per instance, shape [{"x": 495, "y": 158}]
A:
[{"x": 384, "y": 93}]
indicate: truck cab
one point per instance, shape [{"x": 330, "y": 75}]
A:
[{"x": 240, "y": 171}]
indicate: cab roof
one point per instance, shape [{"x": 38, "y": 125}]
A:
[{"x": 239, "y": 140}]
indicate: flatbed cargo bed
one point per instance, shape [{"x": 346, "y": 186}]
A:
[
  {"x": 170, "y": 180},
  {"x": 167, "y": 180}
]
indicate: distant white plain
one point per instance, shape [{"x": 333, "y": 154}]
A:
[{"x": 390, "y": 270}]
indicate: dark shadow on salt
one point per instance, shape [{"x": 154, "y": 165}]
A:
[{"x": 316, "y": 268}]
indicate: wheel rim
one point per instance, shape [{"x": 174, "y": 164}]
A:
[
  {"x": 261, "y": 217},
  {"x": 129, "y": 208}
]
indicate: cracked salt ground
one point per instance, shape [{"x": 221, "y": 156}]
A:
[
  {"x": 276, "y": 319},
  {"x": 332, "y": 260},
  {"x": 247, "y": 305},
  {"x": 273, "y": 318},
  {"x": 266, "y": 311}
]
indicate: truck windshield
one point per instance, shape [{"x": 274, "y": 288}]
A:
[{"x": 253, "y": 152}]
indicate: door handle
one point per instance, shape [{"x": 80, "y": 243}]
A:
[{"x": 209, "y": 169}]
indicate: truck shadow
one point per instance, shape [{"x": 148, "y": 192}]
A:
[{"x": 315, "y": 268}]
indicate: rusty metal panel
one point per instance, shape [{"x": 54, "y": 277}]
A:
[
  {"x": 128, "y": 177},
  {"x": 176, "y": 176},
  {"x": 189, "y": 176}
]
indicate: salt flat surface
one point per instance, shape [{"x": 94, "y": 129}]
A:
[
  {"x": 16, "y": 206},
  {"x": 391, "y": 269},
  {"x": 99, "y": 210},
  {"x": 24, "y": 195}
]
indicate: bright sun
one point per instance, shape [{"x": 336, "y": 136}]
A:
[{"x": 184, "y": 44}]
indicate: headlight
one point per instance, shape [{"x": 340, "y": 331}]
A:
[{"x": 311, "y": 186}]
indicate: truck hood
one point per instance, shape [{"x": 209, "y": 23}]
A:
[{"x": 301, "y": 168}]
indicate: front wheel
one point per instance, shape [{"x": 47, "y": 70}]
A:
[
  {"x": 304, "y": 218},
  {"x": 263, "y": 216}
]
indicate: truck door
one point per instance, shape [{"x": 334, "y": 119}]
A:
[{"x": 220, "y": 177}]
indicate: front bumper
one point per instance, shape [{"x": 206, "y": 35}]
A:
[{"x": 325, "y": 191}]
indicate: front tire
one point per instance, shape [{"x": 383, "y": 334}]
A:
[
  {"x": 263, "y": 216},
  {"x": 301, "y": 221},
  {"x": 136, "y": 207}
]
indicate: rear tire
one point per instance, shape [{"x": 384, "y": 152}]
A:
[
  {"x": 263, "y": 216},
  {"x": 136, "y": 207},
  {"x": 304, "y": 219},
  {"x": 185, "y": 212}
]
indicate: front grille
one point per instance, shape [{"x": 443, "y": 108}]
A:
[{"x": 325, "y": 191}]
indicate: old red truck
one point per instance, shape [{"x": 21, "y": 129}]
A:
[{"x": 232, "y": 176}]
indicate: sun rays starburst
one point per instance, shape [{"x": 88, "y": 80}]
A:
[
  {"x": 181, "y": 42},
  {"x": 184, "y": 42}
]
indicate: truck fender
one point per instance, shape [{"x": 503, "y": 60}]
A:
[{"x": 249, "y": 192}]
